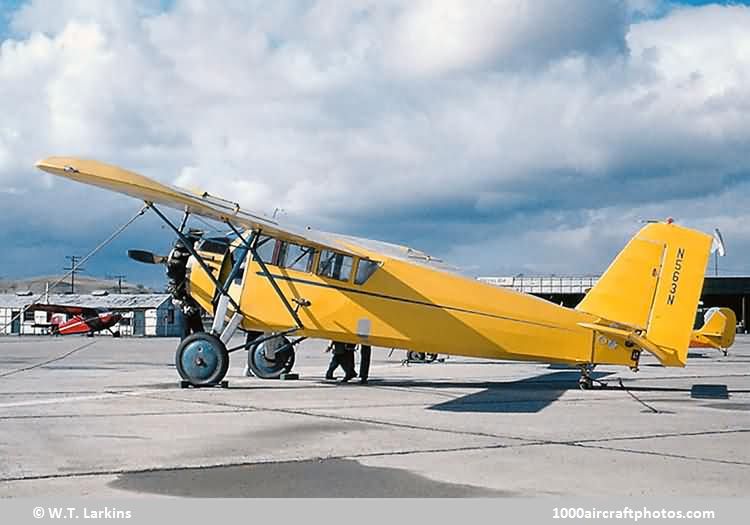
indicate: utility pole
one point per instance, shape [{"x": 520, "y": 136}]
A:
[
  {"x": 120, "y": 278},
  {"x": 716, "y": 263},
  {"x": 74, "y": 269}
]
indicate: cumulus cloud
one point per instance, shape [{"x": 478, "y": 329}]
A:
[{"x": 462, "y": 128}]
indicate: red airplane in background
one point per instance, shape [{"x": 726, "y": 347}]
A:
[{"x": 84, "y": 320}]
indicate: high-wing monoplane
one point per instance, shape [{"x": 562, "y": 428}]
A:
[
  {"x": 83, "y": 320},
  {"x": 281, "y": 284}
]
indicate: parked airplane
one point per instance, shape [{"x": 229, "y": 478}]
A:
[
  {"x": 84, "y": 320},
  {"x": 286, "y": 282},
  {"x": 718, "y": 330}
]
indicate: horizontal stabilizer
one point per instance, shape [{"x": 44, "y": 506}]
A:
[{"x": 630, "y": 338}]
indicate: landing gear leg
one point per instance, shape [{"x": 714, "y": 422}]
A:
[{"x": 586, "y": 382}]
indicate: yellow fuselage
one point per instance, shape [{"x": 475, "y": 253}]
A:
[{"x": 412, "y": 306}]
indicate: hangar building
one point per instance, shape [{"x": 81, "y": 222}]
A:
[
  {"x": 143, "y": 314},
  {"x": 569, "y": 290}
]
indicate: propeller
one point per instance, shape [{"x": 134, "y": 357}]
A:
[{"x": 147, "y": 257}]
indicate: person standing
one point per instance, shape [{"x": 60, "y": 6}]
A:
[
  {"x": 348, "y": 362},
  {"x": 364, "y": 363},
  {"x": 335, "y": 363},
  {"x": 342, "y": 354}
]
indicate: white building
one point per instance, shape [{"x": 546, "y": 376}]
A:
[
  {"x": 143, "y": 314},
  {"x": 552, "y": 284}
]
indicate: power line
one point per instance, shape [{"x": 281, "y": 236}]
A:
[{"x": 93, "y": 252}]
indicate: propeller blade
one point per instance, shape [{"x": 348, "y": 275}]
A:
[{"x": 146, "y": 257}]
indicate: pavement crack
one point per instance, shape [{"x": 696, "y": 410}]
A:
[
  {"x": 352, "y": 419},
  {"x": 118, "y": 472},
  {"x": 53, "y": 360},
  {"x": 662, "y": 454},
  {"x": 126, "y": 414}
]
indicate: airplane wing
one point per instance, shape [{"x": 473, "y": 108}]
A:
[
  {"x": 62, "y": 309},
  {"x": 135, "y": 185}
]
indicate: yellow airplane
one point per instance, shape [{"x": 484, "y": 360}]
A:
[
  {"x": 718, "y": 330},
  {"x": 286, "y": 282}
]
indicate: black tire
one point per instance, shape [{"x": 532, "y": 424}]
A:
[
  {"x": 431, "y": 358},
  {"x": 264, "y": 368},
  {"x": 202, "y": 359}
]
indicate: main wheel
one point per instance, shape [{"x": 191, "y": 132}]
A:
[
  {"x": 263, "y": 367},
  {"x": 431, "y": 358},
  {"x": 202, "y": 359}
]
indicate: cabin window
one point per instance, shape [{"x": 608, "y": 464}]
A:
[
  {"x": 365, "y": 268},
  {"x": 239, "y": 253},
  {"x": 296, "y": 257},
  {"x": 266, "y": 249},
  {"x": 335, "y": 265},
  {"x": 217, "y": 245}
]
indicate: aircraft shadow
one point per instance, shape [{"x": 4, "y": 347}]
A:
[{"x": 523, "y": 396}]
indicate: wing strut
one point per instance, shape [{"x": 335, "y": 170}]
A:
[
  {"x": 189, "y": 247},
  {"x": 251, "y": 245}
]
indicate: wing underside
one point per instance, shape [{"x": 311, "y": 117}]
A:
[
  {"x": 151, "y": 191},
  {"x": 62, "y": 309}
]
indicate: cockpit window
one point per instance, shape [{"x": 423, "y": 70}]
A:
[
  {"x": 296, "y": 257},
  {"x": 365, "y": 268},
  {"x": 266, "y": 249},
  {"x": 218, "y": 245},
  {"x": 335, "y": 265},
  {"x": 239, "y": 253}
]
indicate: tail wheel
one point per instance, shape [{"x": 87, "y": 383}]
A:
[
  {"x": 412, "y": 356},
  {"x": 264, "y": 367},
  {"x": 202, "y": 359},
  {"x": 420, "y": 357}
]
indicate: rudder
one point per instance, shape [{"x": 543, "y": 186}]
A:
[{"x": 653, "y": 287}]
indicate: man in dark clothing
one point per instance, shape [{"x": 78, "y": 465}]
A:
[
  {"x": 176, "y": 285},
  {"x": 342, "y": 355},
  {"x": 364, "y": 363}
]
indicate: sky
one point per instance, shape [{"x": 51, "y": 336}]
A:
[{"x": 505, "y": 136}]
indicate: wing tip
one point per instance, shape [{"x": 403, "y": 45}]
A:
[{"x": 51, "y": 163}]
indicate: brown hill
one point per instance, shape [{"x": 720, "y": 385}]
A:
[{"x": 83, "y": 285}]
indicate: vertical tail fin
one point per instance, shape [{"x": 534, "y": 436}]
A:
[
  {"x": 653, "y": 287},
  {"x": 718, "y": 330}
]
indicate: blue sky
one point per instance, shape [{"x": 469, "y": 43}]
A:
[{"x": 513, "y": 137}]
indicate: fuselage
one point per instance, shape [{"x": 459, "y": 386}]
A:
[
  {"x": 82, "y": 324},
  {"x": 403, "y": 304}
]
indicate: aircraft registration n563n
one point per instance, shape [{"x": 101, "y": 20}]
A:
[{"x": 281, "y": 284}]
